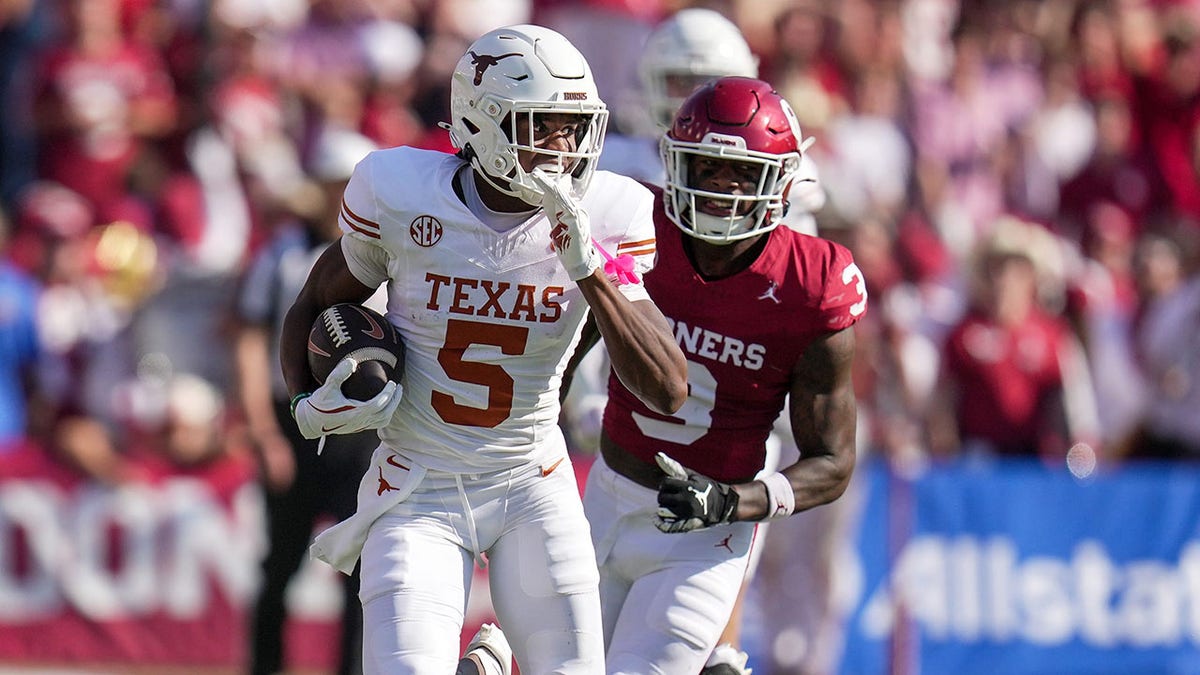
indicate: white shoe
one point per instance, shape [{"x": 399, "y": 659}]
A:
[
  {"x": 490, "y": 645},
  {"x": 726, "y": 660}
]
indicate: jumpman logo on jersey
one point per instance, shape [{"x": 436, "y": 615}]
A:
[
  {"x": 725, "y": 543},
  {"x": 482, "y": 63},
  {"x": 769, "y": 294},
  {"x": 384, "y": 486}
]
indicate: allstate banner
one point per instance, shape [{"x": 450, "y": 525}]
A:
[{"x": 1015, "y": 568}]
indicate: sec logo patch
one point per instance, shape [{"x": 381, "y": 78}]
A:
[{"x": 425, "y": 231}]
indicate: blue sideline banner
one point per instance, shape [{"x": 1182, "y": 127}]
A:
[{"x": 1015, "y": 568}]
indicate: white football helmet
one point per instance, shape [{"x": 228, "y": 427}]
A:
[
  {"x": 690, "y": 48},
  {"x": 523, "y": 70}
]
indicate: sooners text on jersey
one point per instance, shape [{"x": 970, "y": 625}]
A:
[{"x": 742, "y": 337}]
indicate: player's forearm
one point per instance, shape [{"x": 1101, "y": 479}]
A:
[
  {"x": 643, "y": 352},
  {"x": 329, "y": 282},
  {"x": 814, "y": 481},
  {"x": 293, "y": 358},
  {"x": 587, "y": 340},
  {"x": 823, "y": 428}
]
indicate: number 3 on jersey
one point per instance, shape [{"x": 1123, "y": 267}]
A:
[
  {"x": 693, "y": 420},
  {"x": 855, "y": 275}
]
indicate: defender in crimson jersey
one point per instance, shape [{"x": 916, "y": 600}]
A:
[{"x": 760, "y": 312}]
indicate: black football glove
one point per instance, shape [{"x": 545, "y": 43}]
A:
[{"x": 689, "y": 501}]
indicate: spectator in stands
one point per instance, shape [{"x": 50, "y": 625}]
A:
[
  {"x": 1103, "y": 305},
  {"x": 300, "y": 486},
  {"x": 961, "y": 128},
  {"x": 1118, "y": 172},
  {"x": 1012, "y": 381},
  {"x": 81, "y": 328},
  {"x": 1167, "y": 107},
  {"x": 181, "y": 421},
  {"x": 803, "y": 67},
  {"x": 22, "y": 28},
  {"x": 1095, "y": 40},
  {"x": 869, "y": 161},
  {"x": 1168, "y": 347},
  {"x": 101, "y": 102},
  {"x": 20, "y": 347},
  {"x": 394, "y": 53}
]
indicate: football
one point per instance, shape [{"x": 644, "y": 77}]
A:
[{"x": 347, "y": 329}]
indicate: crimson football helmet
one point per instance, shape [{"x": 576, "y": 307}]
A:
[
  {"x": 519, "y": 71},
  {"x": 735, "y": 119}
]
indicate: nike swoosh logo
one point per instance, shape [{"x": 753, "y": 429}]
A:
[
  {"x": 547, "y": 472},
  {"x": 391, "y": 459},
  {"x": 325, "y": 429},
  {"x": 335, "y": 410},
  {"x": 317, "y": 350},
  {"x": 376, "y": 331}
]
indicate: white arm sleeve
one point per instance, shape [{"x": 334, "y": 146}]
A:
[
  {"x": 639, "y": 242},
  {"x": 368, "y": 262},
  {"x": 359, "y": 220}
]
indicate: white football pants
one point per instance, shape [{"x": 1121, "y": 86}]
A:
[
  {"x": 665, "y": 598},
  {"x": 417, "y": 566}
]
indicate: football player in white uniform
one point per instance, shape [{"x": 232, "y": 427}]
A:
[{"x": 492, "y": 259}]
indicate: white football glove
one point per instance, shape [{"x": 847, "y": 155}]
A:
[
  {"x": 328, "y": 411},
  {"x": 570, "y": 229}
]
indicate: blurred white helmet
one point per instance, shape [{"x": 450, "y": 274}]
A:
[
  {"x": 515, "y": 71},
  {"x": 336, "y": 153},
  {"x": 687, "y": 50}
]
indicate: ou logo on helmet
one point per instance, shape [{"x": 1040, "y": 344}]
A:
[
  {"x": 425, "y": 231},
  {"x": 790, "y": 114}
]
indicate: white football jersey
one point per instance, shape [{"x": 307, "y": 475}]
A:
[{"x": 489, "y": 318}]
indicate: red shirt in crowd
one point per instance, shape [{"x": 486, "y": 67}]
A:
[
  {"x": 94, "y": 104},
  {"x": 1005, "y": 376}
]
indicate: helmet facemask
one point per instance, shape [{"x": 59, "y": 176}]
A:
[
  {"x": 513, "y": 75},
  {"x": 579, "y": 163},
  {"x": 747, "y": 215}
]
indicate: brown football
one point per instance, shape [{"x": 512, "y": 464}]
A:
[{"x": 347, "y": 329}]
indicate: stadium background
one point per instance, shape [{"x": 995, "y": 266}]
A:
[{"x": 1063, "y": 131}]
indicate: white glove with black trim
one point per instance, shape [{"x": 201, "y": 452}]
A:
[
  {"x": 328, "y": 411},
  {"x": 690, "y": 501},
  {"x": 570, "y": 228}
]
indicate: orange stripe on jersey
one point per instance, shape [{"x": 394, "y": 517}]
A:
[
  {"x": 358, "y": 223},
  {"x": 647, "y": 250},
  {"x": 624, "y": 247}
]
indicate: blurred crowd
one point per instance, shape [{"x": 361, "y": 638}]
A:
[{"x": 1017, "y": 179}]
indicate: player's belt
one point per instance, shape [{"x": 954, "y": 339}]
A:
[{"x": 629, "y": 465}]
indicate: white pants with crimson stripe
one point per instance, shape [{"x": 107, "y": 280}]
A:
[
  {"x": 665, "y": 598},
  {"x": 417, "y": 567}
]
